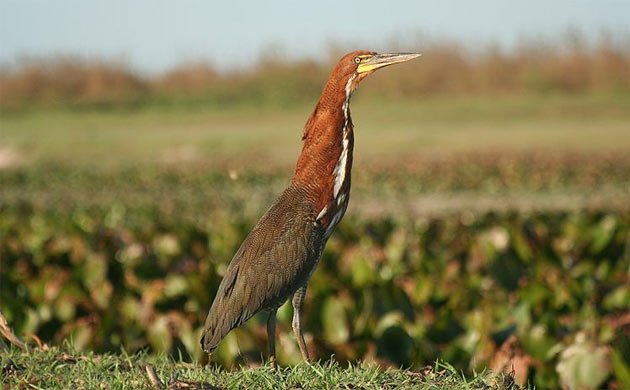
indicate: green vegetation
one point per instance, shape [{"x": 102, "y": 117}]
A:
[
  {"x": 130, "y": 259},
  {"x": 489, "y": 227},
  {"x": 387, "y": 133},
  {"x": 64, "y": 369}
]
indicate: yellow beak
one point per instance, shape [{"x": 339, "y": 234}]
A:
[{"x": 381, "y": 60}]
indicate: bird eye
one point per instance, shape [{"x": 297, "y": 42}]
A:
[{"x": 357, "y": 60}]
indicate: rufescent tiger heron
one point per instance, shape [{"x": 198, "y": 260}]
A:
[{"x": 279, "y": 255}]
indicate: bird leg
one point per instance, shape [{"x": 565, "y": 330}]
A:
[
  {"x": 271, "y": 338},
  {"x": 298, "y": 299}
]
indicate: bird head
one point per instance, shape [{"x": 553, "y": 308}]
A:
[{"x": 355, "y": 66}]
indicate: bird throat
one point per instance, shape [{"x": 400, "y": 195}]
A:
[{"x": 325, "y": 163}]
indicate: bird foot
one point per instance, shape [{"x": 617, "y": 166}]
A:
[{"x": 273, "y": 363}]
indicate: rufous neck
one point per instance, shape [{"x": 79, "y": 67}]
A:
[{"x": 328, "y": 143}]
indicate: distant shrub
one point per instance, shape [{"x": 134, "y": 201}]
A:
[
  {"x": 445, "y": 68},
  {"x": 70, "y": 81}
]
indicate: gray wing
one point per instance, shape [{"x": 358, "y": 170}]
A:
[{"x": 275, "y": 259}]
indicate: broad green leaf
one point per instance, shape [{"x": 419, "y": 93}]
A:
[
  {"x": 584, "y": 365},
  {"x": 95, "y": 270},
  {"x": 335, "y": 321},
  {"x": 621, "y": 369},
  {"x": 159, "y": 335},
  {"x": 603, "y": 233}
]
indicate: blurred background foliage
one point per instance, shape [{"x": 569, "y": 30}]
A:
[
  {"x": 572, "y": 64},
  {"x": 489, "y": 224},
  {"x": 134, "y": 265}
]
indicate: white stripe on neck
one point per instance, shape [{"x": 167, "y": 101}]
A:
[{"x": 340, "y": 169}]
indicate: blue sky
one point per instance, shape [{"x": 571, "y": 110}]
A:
[{"x": 154, "y": 35}]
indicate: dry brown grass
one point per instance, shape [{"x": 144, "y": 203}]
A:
[
  {"x": 187, "y": 79},
  {"x": 69, "y": 80},
  {"x": 446, "y": 68}
]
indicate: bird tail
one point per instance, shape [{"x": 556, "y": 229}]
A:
[
  {"x": 225, "y": 314},
  {"x": 212, "y": 333},
  {"x": 218, "y": 324},
  {"x": 209, "y": 341}
]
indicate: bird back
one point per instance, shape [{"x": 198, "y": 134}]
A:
[{"x": 276, "y": 259}]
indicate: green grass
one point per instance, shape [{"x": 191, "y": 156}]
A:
[
  {"x": 408, "y": 131},
  {"x": 550, "y": 173},
  {"x": 63, "y": 368},
  {"x": 429, "y": 138}
]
